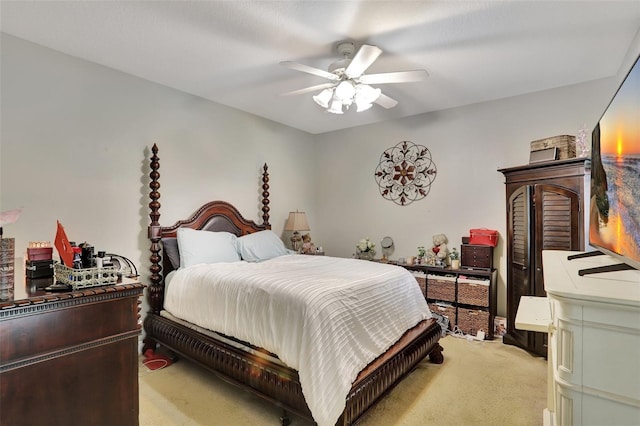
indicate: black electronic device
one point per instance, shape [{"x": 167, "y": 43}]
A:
[
  {"x": 58, "y": 287},
  {"x": 124, "y": 266}
]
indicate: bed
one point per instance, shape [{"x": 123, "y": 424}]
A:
[{"x": 239, "y": 360}]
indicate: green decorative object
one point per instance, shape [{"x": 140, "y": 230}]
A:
[{"x": 453, "y": 254}]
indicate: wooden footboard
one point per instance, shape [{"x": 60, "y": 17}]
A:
[
  {"x": 279, "y": 384},
  {"x": 388, "y": 370}
]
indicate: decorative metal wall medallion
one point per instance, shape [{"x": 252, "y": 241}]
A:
[{"x": 405, "y": 173}]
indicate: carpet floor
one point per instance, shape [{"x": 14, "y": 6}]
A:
[{"x": 479, "y": 383}]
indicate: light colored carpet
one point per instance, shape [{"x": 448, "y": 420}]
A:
[{"x": 480, "y": 383}]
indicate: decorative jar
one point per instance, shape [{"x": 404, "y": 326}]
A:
[
  {"x": 366, "y": 255},
  {"x": 364, "y": 249}
]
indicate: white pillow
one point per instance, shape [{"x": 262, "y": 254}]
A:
[
  {"x": 260, "y": 245},
  {"x": 206, "y": 247}
]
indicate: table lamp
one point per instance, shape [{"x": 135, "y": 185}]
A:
[{"x": 296, "y": 222}]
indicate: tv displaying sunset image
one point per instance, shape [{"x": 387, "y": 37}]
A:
[{"x": 615, "y": 177}]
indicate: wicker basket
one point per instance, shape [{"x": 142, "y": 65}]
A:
[
  {"x": 87, "y": 277},
  {"x": 473, "y": 292},
  {"x": 470, "y": 321},
  {"x": 446, "y": 310},
  {"x": 441, "y": 288},
  {"x": 421, "y": 278}
]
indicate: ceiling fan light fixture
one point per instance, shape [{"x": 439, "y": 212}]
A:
[
  {"x": 346, "y": 94},
  {"x": 361, "y": 106},
  {"x": 345, "y": 91},
  {"x": 336, "y": 107},
  {"x": 323, "y": 98},
  {"x": 348, "y": 82},
  {"x": 366, "y": 94},
  {"x": 339, "y": 66}
]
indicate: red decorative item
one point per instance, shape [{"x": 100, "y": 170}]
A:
[
  {"x": 435, "y": 249},
  {"x": 483, "y": 237},
  {"x": 154, "y": 361},
  {"x": 64, "y": 247}
]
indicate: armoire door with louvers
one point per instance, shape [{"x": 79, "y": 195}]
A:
[
  {"x": 519, "y": 248},
  {"x": 544, "y": 212}
]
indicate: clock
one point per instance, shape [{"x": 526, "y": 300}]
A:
[{"x": 387, "y": 248}]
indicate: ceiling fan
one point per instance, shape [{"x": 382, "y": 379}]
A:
[{"x": 348, "y": 84}]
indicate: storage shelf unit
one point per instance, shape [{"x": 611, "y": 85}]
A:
[{"x": 468, "y": 297}]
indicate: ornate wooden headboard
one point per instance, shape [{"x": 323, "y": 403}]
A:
[{"x": 213, "y": 216}]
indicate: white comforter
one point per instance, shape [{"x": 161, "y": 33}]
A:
[{"x": 326, "y": 317}]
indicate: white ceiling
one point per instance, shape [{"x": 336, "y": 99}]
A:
[{"x": 229, "y": 51}]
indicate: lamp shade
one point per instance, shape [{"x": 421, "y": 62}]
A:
[
  {"x": 297, "y": 221},
  {"x": 336, "y": 107},
  {"x": 366, "y": 94},
  {"x": 324, "y": 97},
  {"x": 345, "y": 91},
  {"x": 345, "y": 94},
  {"x": 360, "y": 106}
]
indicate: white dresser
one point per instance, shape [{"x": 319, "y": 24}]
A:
[{"x": 594, "y": 342}]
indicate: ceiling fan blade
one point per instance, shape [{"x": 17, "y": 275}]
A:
[
  {"x": 310, "y": 70},
  {"x": 363, "y": 59},
  {"x": 310, "y": 89},
  {"x": 385, "y": 101},
  {"x": 394, "y": 77}
]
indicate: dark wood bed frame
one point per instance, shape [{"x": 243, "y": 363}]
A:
[{"x": 268, "y": 380}]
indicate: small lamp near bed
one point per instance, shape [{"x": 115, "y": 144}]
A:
[{"x": 296, "y": 222}]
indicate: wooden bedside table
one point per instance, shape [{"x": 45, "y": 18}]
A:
[{"x": 70, "y": 357}]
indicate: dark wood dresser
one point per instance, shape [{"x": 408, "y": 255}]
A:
[
  {"x": 476, "y": 256},
  {"x": 545, "y": 211},
  {"x": 70, "y": 358}
]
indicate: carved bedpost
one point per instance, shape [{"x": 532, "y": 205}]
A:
[
  {"x": 155, "y": 291},
  {"x": 265, "y": 197}
]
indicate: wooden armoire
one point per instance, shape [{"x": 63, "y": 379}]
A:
[{"x": 545, "y": 211}]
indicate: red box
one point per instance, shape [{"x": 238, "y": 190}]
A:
[
  {"x": 483, "y": 237},
  {"x": 39, "y": 253}
]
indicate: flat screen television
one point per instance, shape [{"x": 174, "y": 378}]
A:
[{"x": 614, "y": 212}]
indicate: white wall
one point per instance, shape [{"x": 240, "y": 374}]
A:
[
  {"x": 75, "y": 138},
  {"x": 468, "y": 146},
  {"x": 75, "y": 143}
]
